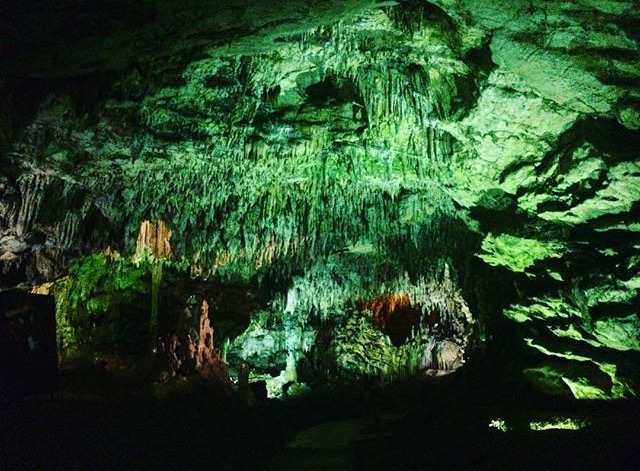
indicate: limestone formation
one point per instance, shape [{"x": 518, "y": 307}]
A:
[{"x": 340, "y": 151}]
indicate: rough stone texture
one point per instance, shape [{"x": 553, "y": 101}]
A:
[{"x": 424, "y": 132}]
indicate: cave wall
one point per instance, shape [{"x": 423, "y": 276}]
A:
[{"x": 499, "y": 140}]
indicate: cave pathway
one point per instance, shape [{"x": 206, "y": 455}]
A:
[{"x": 330, "y": 445}]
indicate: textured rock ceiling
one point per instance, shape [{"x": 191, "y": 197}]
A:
[{"x": 499, "y": 138}]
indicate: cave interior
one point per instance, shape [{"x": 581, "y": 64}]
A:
[{"x": 320, "y": 235}]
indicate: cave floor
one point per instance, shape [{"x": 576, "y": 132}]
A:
[{"x": 99, "y": 421}]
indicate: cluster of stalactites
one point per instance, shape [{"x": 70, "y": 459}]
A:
[
  {"x": 32, "y": 189},
  {"x": 284, "y": 190},
  {"x": 153, "y": 238}
]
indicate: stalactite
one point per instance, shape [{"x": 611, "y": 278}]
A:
[
  {"x": 156, "y": 281},
  {"x": 155, "y": 238},
  {"x": 67, "y": 230},
  {"x": 280, "y": 185},
  {"x": 154, "y": 244},
  {"x": 32, "y": 188},
  {"x": 11, "y": 214}
]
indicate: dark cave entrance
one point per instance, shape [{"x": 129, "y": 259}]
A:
[
  {"x": 334, "y": 90},
  {"x": 395, "y": 315}
]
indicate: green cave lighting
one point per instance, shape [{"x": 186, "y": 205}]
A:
[{"x": 400, "y": 188}]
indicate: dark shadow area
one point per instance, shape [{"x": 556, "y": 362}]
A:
[
  {"x": 396, "y": 316},
  {"x": 106, "y": 418},
  {"x": 28, "y": 354}
]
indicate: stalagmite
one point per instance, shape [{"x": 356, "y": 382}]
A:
[{"x": 204, "y": 350}]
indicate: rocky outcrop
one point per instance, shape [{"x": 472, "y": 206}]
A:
[{"x": 542, "y": 134}]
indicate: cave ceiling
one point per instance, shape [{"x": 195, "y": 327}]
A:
[
  {"x": 500, "y": 136},
  {"x": 68, "y": 38}
]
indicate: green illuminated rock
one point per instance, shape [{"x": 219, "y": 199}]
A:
[
  {"x": 619, "y": 334},
  {"x": 580, "y": 381},
  {"x": 93, "y": 303},
  {"x": 544, "y": 309},
  {"x": 516, "y": 253},
  {"x": 336, "y": 151}
]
